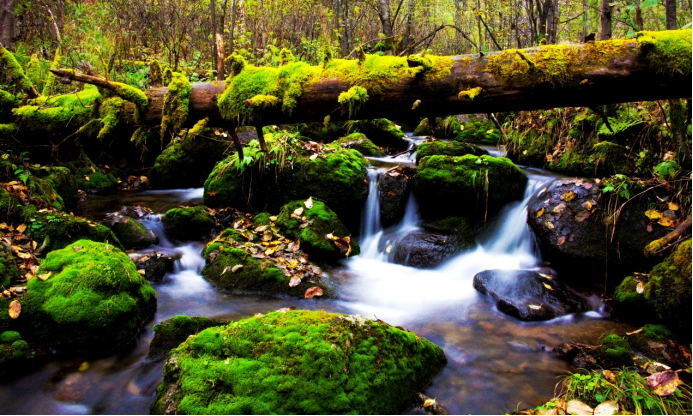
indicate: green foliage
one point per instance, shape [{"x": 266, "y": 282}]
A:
[
  {"x": 667, "y": 170},
  {"x": 298, "y": 362},
  {"x": 14, "y": 70},
  {"x": 53, "y": 114},
  {"x": 619, "y": 185},
  {"x": 94, "y": 299}
]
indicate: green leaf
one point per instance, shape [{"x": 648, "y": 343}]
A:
[{"x": 649, "y": 3}]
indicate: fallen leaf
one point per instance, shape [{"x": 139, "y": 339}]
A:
[
  {"x": 637, "y": 331},
  {"x": 235, "y": 268},
  {"x": 610, "y": 375},
  {"x": 86, "y": 178},
  {"x": 84, "y": 366},
  {"x": 141, "y": 271},
  {"x": 664, "y": 383},
  {"x": 673, "y": 206},
  {"x": 15, "y": 309},
  {"x": 640, "y": 288},
  {"x": 93, "y": 170},
  {"x": 560, "y": 207},
  {"x": 549, "y": 225},
  {"x": 588, "y": 205},
  {"x": 285, "y": 310},
  {"x": 609, "y": 407},
  {"x": 561, "y": 240},
  {"x": 666, "y": 222},
  {"x": 489, "y": 131},
  {"x": 270, "y": 251},
  {"x": 21, "y": 228},
  {"x": 298, "y": 211},
  {"x": 653, "y": 214},
  {"x": 77, "y": 248},
  {"x": 568, "y": 196},
  {"x": 295, "y": 281},
  {"x": 576, "y": 407},
  {"x": 329, "y": 237},
  {"x": 535, "y": 307},
  {"x": 273, "y": 218},
  {"x": 143, "y": 178},
  {"x": 546, "y": 276},
  {"x": 267, "y": 236},
  {"x": 582, "y": 216},
  {"x": 312, "y": 292},
  {"x": 260, "y": 229},
  {"x": 587, "y": 185},
  {"x": 540, "y": 212},
  {"x": 388, "y": 249},
  {"x": 541, "y": 192},
  {"x": 429, "y": 402},
  {"x": 547, "y": 286},
  {"x": 309, "y": 203},
  {"x": 45, "y": 276},
  {"x": 294, "y": 246},
  {"x": 313, "y": 156}
]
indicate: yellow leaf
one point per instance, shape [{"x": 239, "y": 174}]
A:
[
  {"x": 298, "y": 211},
  {"x": 93, "y": 170},
  {"x": 295, "y": 281},
  {"x": 546, "y": 276},
  {"x": 666, "y": 222},
  {"x": 568, "y": 196},
  {"x": 44, "y": 276},
  {"x": 588, "y": 205},
  {"x": 535, "y": 307},
  {"x": 540, "y": 212},
  {"x": 15, "y": 309},
  {"x": 549, "y": 225},
  {"x": 489, "y": 131},
  {"x": 653, "y": 214},
  {"x": 84, "y": 366},
  {"x": 548, "y": 286},
  {"x": 640, "y": 288},
  {"x": 235, "y": 268},
  {"x": 86, "y": 178},
  {"x": 273, "y": 218},
  {"x": 429, "y": 402},
  {"x": 309, "y": 203},
  {"x": 21, "y": 228},
  {"x": 673, "y": 206}
]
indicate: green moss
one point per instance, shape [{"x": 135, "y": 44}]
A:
[
  {"x": 173, "y": 331},
  {"x": 109, "y": 113},
  {"x": 49, "y": 86},
  {"x": 453, "y": 185},
  {"x": 15, "y": 70},
  {"x": 312, "y": 237},
  {"x": 94, "y": 299},
  {"x": 134, "y": 95},
  {"x": 60, "y": 229},
  {"x": 59, "y": 112},
  {"x": 264, "y": 101},
  {"x": 262, "y": 218},
  {"x": 33, "y": 71},
  {"x": 299, "y": 362},
  {"x": 614, "y": 352},
  {"x": 359, "y": 142},
  {"x": 198, "y": 128},
  {"x": 156, "y": 76},
  {"x": 478, "y": 131},
  {"x": 8, "y": 268},
  {"x": 667, "y": 52},
  {"x": 470, "y": 94},
  {"x": 14, "y": 351},
  {"x": 176, "y": 103},
  {"x": 7, "y": 100},
  {"x": 192, "y": 223},
  {"x": 8, "y": 337},
  {"x": 131, "y": 233},
  {"x": 459, "y": 225},
  {"x": 454, "y": 148},
  {"x": 649, "y": 333},
  {"x": 354, "y": 99},
  {"x": 556, "y": 65}
]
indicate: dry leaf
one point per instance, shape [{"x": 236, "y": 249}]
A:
[
  {"x": 235, "y": 268},
  {"x": 141, "y": 271},
  {"x": 86, "y": 178},
  {"x": 588, "y": 205},
  {"x": 309, "y": 203},
  {"x": 582, "y": 216},
  {"x": 312, "y": 292},
  {"x": 609, "y": 407},
  {"x": 273, "y": 218},
  {"x": 546, "y": 276},
  {"x": 673, "y": 206},
  {"x": 653, "y": 214},
  {"x": 298, "y": 211},
  {"x": 295, "y": 281},
  {"x": 313, "y": 156},
  {"x": 568, "y": 196},
  {"x": 93, "y": 170},
  {"x": 666, "y": 222},
  {"x": 260, "y": 229},
  {"x": 547, "y": 286},
  {"x": 610, "y": 375},
  {"x": 587, "y": 185},
  {"x": 640, "y": 288},
  {"x": 285, "y": 310},
  {"x": 45, "y": 276},
  {"x": 540, "y": 212},
  {"x": 664, "y": 383},
  {"x": 576, "y": 407},
  {"x": 559, "y": 208},
  {"x": 535, "y": 307},
  {"x": 541, "y": 192},
  {"x": 21, "y": 228},
  {"x": 561, "y": 240},
  {"x": 267, "y": 236},
  {"x": 637, "y": 331},
  {"x": 15, "y": 309},
  {"x": 549, "y": 225},
  {"x": 329, "y": 237},
  {"x": 429, "y": 402}
]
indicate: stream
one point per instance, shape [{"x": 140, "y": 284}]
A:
[{"x": 495, "y": 362}]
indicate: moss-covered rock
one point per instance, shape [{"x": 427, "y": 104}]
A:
[
  {"x": 613, "y": 352},
  {"x": 359, "y": 142},
  {"x": 666, "y": 296},
  {"x": 298, "y": 362},
  {"x": 443, "y": 148},
  {"x": 193, "y": 223},
  {"x": 56, "y": 186},
  {"x": 321, "y": 221},
  {"x": 455, "y": 185},
  {"x": 423, "y": 128},
  {"x": 186, "y": 162},
  {"x": 173, "y": 331},
  {"x": 14, "y": 351},
  {"x": 8, "y": 268},
  {"x": 130, "y": 232},
  {"x": 478, "y": 130},
  {"x": 59, "y": 229},
  {"x": 642, "y": 341},
  {"x": 93, "y": 299}
]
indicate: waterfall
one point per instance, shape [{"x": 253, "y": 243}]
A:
[{"x": 370, "y": 217}]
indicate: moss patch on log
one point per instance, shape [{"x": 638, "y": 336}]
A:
[
  {"x": 454, "y": 148},
  {"x": 14, "y": 70},
  {"x": 668, "y": 52},
  {"x": 176, "y": 103},
  {"x": 354, "y": 99},
  {"x": 54, "y": 114}
]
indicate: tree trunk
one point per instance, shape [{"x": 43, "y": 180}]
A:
[
  {"x": 212, "y": 10},
  {"x": 670, "y": 6},
  {"x": 605, "y": 20},
  {"x": 233, "y": 26},
  {"x": 408, "y": 31},
  {"x": 8, "y": 24},
  {"x": 384, "y": 15},
  {"x": 626, "y": 77}
]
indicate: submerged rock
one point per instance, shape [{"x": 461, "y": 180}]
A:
[
  {"x": 394, "y": 189},
  {"x": 665, "y": 296},
  {"x": 92, "y": 299},
  {"x": 569, "y": 219},
  {"x": 298, "y": 362},
  {"x": 528, "y": 295},
  {"x": 130, "y": 232},
  {"x": 455, "y": 185},
  {"x": 312, "y": 226},
  {"x": 192, "y": 223},
  {"x": 425, "y": 249},
  {"x": 173, "y": 331}
]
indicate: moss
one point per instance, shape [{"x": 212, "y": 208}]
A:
[
  {"x": 197, "y": 129},
  {"x": 667, "y": 52},
  {"x": 454, "y": 148},
  {"x": 156, "y": 76},
  {"x": 613, "y": 157},
  {"x": 94, "y": 299},
  {"x": 459, "y": 225},
  {"x": 312, "y": 237},
  {"x": 8, "y": 268},
  {"x": 134, "y": 95},
  {"x": 131, "y": 233},
  {"x": 359, "y": 142},
  {"x": 556, "y": 65},
  {"x": 8, "y": 337},
  {"x": 479, "y": 131},
  {"x": 300, "y": 362},
  {"x": 452, "y": 185},
  {"x": 14, "y": 351},
  {"x": 192, "y": 223},
  {"x": 262, "y": 218},
  {"x": 649, "y": 333},
  {"x": 176, "y": 103},
  {"x": 613, "y": 352},
  {"x": 49, "y": 86},
  {"x": 470, "y": 94},
  {"x": 54, "y": 114},
  {"x": 354, "y": 99},
  {"x": 264, "y": 101},
  {"x": 572, "y": 162},
  {"x": 15, "y": 70},
  {"x": 60, "y": 230},
  {"x": 173, "y": 331},
  {"x": 423, "y": 128},
  {"x": 33, "y": 72},
  {"x": 7, "y": 100}
]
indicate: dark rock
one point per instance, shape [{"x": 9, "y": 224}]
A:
[
  {"x": 186, "y": 163},
  {"x": 137, "y": 212},
  {"x": 192, "y": 223},
  {"x": 173, "y": 331},
  {"x": 425, "y": 249},
  {"x": 447, "y": 148},
  {"x": 568, "y": 233},
  {"x": 155, "y": 265},
  {"x": 393, "y": 196},
  {"x": 130, "y": 232},
  {"x": 515, "y": 290}
]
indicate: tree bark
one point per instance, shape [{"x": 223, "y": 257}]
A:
[
  {"x": 605, "y": 20},
  {"x": 670, "y": 6},
  {"x": 212, "y": 10},
  {"x": 8, "y": 24},
  {"x": 384, "y": 15},
  {"x": 624, "y": 78}
]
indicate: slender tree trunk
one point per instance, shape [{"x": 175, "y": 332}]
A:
[
  {"x": 219, "y": 39},
  {"x": 384, "y": 15},
  {"x": 212, "y": 10},
  {"x": 233, "y": 26},
  {"x": 8, "y": 24},
  {"x": 605, "y": 20},
  {"x": 638, "y": 18},
  {"x": 458, "y": 22},
  {"x": 407, "y": 34},
  {"x": 585, "y": 26},
  {"x": 670, "y": 6}
]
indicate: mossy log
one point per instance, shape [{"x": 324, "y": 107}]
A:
[{"x": 653, "y": 66}]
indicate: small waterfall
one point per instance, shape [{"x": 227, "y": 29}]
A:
[
  {"x": 370, "y": 217},
  {"x": 153, "y": 223}
]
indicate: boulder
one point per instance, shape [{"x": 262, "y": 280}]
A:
[
  {"x": 447, "y": 148},
  {"x": 423, "y": 128},
  {"x": 130, "y": 232},
  {"x": 88, "y": 297},
  {"x": 56, "y": 186},
  {"x": 664, "y": 296},
  {"x": 298, "y": 362},
  {"x": 360, "y": 143},
  {"x": 173, "y": 331},
  {"x": 155, "y": 265},
  {"x": 528, "y": 295},
  {"x": 186, "y": 162},
  {"x": 569, "y": 219},
  {"x": 57, "y": 230},
  {"x": 14, "y": 353},
  {"x": 191, "y": 223},
  {"x": 312, "y": 226},
  {"x": 456, "y": 185},
  {"x": 8, "y": 268},
  {"x": 394, "y": 190},
  {"x": 425, "y": 249}
]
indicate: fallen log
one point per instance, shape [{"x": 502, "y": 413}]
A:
[
  {"x": 657, "y": 246},
  {"x": 654, "y": 66}
]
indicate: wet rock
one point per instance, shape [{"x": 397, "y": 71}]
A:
[
  {"x": 447, "y": 148},
  {"x": 394, "y": 187},
  {"x": 361, "y": 366},
  {"x": 155, "y": 265},
  {"x": 137, "y": 212},
  {"x": 191, "y": 223},
  {"x": 14, "y": 353},
  {"x": 515, "y": 290},
  {"x": 173, "y": 331},
  {"x": 360, "y": 143},
  {"x": 568, "y": 218},
  {"x": 424, "y": 249},
  {"x": 130, "y": 232}
]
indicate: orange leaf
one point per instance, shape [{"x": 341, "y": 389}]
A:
[
  {"x": 15, "y": 309},
  {"x": 313, "y": 291}
]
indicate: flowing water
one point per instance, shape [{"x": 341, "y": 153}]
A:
[{"x": 495, "y": 363}]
